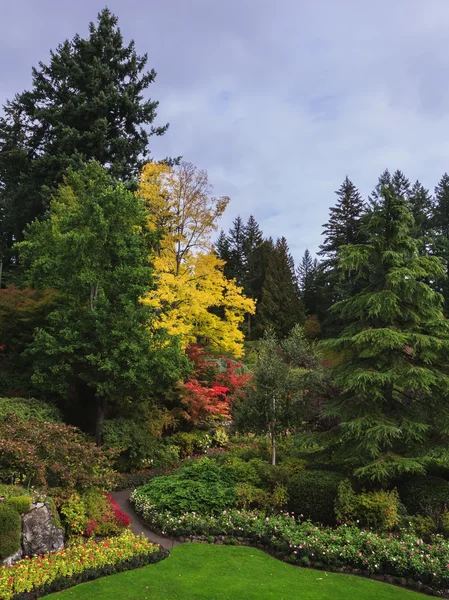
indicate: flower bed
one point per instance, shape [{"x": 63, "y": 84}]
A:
[
  {"x": 83, "y": 561},
  {"x": 403, "y": 556}
]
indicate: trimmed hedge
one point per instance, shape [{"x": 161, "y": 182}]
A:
[
  {"x": 424, "y": 495},
  {"x": 313, "y": 494},
  {"x": 10, "y": 530},
  {"x": 84, "y": 561},
  {"x": 21, "y": 504}
]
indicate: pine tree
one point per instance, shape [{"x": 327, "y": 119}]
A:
[
  {"x": 87, "y": 103},
  {"x": 441, "y": 231},
  {"x": 393, "y": 411},
  {"x": 307, "y": 272},
  {"x": 222, "y": 249},
  {"x": 280, "y": 306},
  {"x": 255, "y": 266}
]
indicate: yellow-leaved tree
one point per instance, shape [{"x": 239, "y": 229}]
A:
[{"x": 193, "y": 297}]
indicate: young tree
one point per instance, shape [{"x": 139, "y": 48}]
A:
[
  {"x": 393, "y": 409},
  {"x": 276, "y": 399},
  {"x": 193, "y": 298},
  {"x": 97, "y": 351},
  {"x": 87, "y": 103},
  {"x": 281, "y": 306}
]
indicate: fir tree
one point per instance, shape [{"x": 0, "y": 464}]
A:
[
  {"x": 280, "y": 306},
  {"x": 236, "y": 264},
  {"x": 441, "y": 231},
  {"x": 421, "y": 207},
  {"x": 222, "y": 248},
  {"x": 307, "y": 273},
  {"x": 87, "y": 103},
  {"x": 393, "y": 411}
]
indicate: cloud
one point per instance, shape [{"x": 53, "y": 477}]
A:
[{"x": 279, "y": 102}]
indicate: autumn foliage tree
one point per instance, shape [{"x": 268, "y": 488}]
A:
[
  {"x": 193, "y": 298},
  {"x": 215, "y": 384}
]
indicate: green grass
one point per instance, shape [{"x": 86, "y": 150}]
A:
[{"x": 199, "y": 571}]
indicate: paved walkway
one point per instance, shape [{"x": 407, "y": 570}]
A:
[{"x": 137, "y": 527}]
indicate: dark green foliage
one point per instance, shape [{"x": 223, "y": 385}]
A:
[
  {"x": 10, "y": 530},
  {"x": 424, "y": 495},
  {"x": 87, "y": 103},
  {"x": 203, "y": 487},
  {"x": 280, "y": 306},
  {"x": 393, "y": 410},
  {"x": 313, "y": 494},
  {"x": 421, "y": 207},
  {"x": 97, "y": 349},
  {"x": 441, "y": 233},
  {"x": 307, "y": 273},
  {"x": 29, "y": 409},
  {"x": 235, "y": 266}
]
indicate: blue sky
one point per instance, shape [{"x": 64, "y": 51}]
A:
[{"x": 277, "y": 100}]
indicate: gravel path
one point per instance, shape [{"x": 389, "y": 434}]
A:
[{"x": 137, "y": 527}]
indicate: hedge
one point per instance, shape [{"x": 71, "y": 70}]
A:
[
  {"x": 313, "y": 495},
  {"x": 10, "y": 530}
]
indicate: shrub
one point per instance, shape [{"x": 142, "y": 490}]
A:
[
  {"x": 10, "y": 530},
  {"x": 425, "y": 495},
  {"x": 21, "y": 504},
  {"x": 379, "y": 509},
  {"x": 249, "y": 496},
  {"x": 189, "y": 443},
  {"x": 313, "y": 494},
  {"x": 9, "y": 491},
  {"x": 203, "y": 486},
  {"x": 220, "y": 437},
  {"x": 241, "y": 471},
  {"x": 81, "y": 561},
  {"x": 424, "y": 527},
  {"x": 52, "y": 455},
  {"x": 29, "y": 409},
  {"x": 93, "y": 513}
]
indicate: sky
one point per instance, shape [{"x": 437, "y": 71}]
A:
[{"x": 279, "y": 101}]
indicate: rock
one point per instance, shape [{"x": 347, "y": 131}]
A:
[
  {"x": 419, "y": 585},
  {"x": 403, "y": 581},
  {"x": 13, "y": 558},
  {"x": 39, "y": 532}
]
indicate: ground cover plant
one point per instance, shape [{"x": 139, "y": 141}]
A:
[{"x": 202, "y": 572}]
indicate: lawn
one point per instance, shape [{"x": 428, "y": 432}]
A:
[{"x": 207, "y": 572}]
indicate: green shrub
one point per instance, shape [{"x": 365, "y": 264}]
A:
[
  {"x": 249, "y": 496},
  {"x": 189, "y": 443},
  {"x": 21, "y": 504},
  {"x": 245, "y": 472},
  {"x": 9, "y": 491},
  {"x": 425, "y": 495},
  {"x": 378, "y": 509},
  {"x": 29, "y": 409},
  {"x": 283, "y": 472},
  {"x": 201, "y": 487},
  {"x": 313, "y": 494},
  {"x": 424, "y": 527},
  {"x": 220, "y": 437},
  {"x": 10, "y": 530}
]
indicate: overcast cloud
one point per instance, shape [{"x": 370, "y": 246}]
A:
[{"x": 277, "y": 100}]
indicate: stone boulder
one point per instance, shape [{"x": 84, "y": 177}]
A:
[{"x": 40, "y": 533}]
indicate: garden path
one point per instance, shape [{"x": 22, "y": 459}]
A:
[{"x": 137, "y": 527}]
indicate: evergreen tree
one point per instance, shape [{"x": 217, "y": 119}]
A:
[
  {"x": 441, "y": 231},
  {"x": 393, "y": 410},
  {"x": 307, "y": 273},
  {"x": 280, "y": 306},
  {"x": 222, "y": 249},
  {"x": 255, "y": 265},
  {"x": 421, "y": 207},
  {"x": 87, "y": 103},
  {"x": 236, "y": 265}
]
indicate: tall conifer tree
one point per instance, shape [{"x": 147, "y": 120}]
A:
[{"x": 393, "y": 411}]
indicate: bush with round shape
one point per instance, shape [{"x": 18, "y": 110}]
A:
[
  {"x": 202, "y": 487},
  {"x": 21, "y": 504},
  {"x": 313, "y": 494},
  {"x": 10, "y": 530},
  {"x": 426, "y": 496}
]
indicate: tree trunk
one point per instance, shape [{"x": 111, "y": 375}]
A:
[
  {"x": 101, "y": 414},
  {"x": 273, "y": 449}
]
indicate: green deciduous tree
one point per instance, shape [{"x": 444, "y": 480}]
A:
[
  {"x": 393, "y": 409},
  {"x": 97, "y": 353},
  {"x": 284, "y": 375}
]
